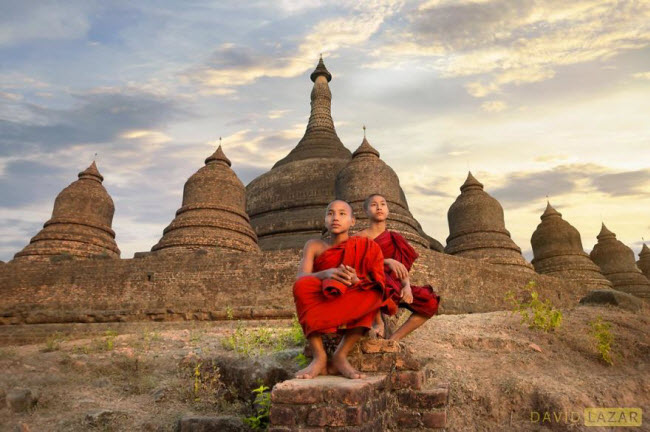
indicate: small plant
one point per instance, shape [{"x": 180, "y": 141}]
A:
[
  {"x": 260, "y": 419},
  {"x": 229, "y": 313},
  {"x": 197, "y": 381},
  {"x": 110, "y": 339},
  {"x": 53, "y": 342},
  {"x": 297, "y": 335},
  {"x": 302, "y": 360},
  {"x": 538, "y": 314},
  {"x": 604, "y": 338}
]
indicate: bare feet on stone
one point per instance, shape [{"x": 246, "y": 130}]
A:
[
  {"x": 343, "y": 366},
  {"x": 314, "y": 368}
]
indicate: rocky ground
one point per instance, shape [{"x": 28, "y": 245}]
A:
[{"x": 150, "y": 377}]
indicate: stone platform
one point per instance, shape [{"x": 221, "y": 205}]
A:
[{"x": 395, "y": 395}]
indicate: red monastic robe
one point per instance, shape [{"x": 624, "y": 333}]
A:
[
  {"x": 325, "y": 306},
  {"x": 425, "y": 299}
]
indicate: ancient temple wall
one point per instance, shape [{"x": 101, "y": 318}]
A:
[{"x": 207, "y": 285}]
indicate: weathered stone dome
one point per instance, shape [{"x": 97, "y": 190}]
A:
[
  {"x": 557, "y": 248},
  {"x": 477, "y": 229},
  {"x": 366, "y": 174},
  {"x": 213, "y": 211},
  {"x": 616, "y": 261},
  {"x": 287, "y": 204},
  {"x": 80, "y": 224},
  {"x": 644, "y": 261}
]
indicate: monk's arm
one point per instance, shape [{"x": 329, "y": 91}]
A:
[{"x": 306, "y": 265}]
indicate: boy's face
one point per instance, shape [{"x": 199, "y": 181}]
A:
[
  {"x": 339, "y": 217},
  {"x": 377, "y": 208}
]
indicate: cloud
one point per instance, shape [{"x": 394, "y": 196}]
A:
[
  {"x": 514, "y": 42},
  {"x": 642, "y": 75},
  {"x": 97, "y": 117},
  {"x": 232, "y": 65},
  {"x": 494, "y": 106},
  {"x": 527, "y": 187},
  {"x": 628, "y": 183},
  {"x": 26, "y": 21}
]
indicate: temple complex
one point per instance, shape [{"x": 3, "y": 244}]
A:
[
  {"x": 557, "y": 250},
  {"x": 80, "y": 225},
  {"x": 644, "y": 261},
  {"x": 213, "y": 213},
  {"x": 477, "y": 229},
  {"x": 617, "y": 263},
  {"x": 366, "y": 174}
]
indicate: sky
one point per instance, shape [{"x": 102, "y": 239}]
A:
[{"x": 536, "y": 97}]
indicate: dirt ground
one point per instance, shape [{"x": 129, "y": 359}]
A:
[{"x": 499, "y": 371}]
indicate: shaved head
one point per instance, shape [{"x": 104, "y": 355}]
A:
[{"x": 340, "y": 201}]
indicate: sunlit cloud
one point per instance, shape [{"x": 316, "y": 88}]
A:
[{"x": 494, "y": 106}]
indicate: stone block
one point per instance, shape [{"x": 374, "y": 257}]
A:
[
  {"x": 423, "y": 399},
  {"x": 407, "y": 380},
  {"x": 434, "y": 419}
]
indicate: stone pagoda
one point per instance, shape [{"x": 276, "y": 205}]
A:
[
  {"x": 80, "y": 225},
  {"x": 287, "y": 204},
  {"x": 616, "y": 261},
  {"x": 366, "y": 174},
  {"x": 557, "y": 248},
  {"x": 213, "y": 212},
  {"x": 477, "y": 229},
  {"x": 644, "y": 261}
]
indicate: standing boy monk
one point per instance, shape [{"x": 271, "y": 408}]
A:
[
  {"x": 340, "y": 287},
  {"x": 399, "y": 255}
]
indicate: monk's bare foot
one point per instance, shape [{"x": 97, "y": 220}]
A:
[
  {"x": 377, "y": 331},
  {"x": 344, "y": 367},
  {"x": 313, "y": 369},
  {"x": 330, "y": 369}
]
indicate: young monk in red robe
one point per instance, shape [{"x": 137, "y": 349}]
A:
[
  {"x": 399, "y": 256},
  {"x": 340, "y": 287}
]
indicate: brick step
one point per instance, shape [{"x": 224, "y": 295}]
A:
[{"x": 331, "y": 402}]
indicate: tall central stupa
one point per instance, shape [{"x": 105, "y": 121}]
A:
[{"x": 287, "y": 204}]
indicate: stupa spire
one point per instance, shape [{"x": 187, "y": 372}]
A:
[
  {"x": 320, "y": 139},
  {"x": 91, "y": 173},
  {"x": 365, "y": 147},
  {"x": 550, "y": 211},
  {"x": 471, "y": 183},
  {"x": 218, "y": 156}
]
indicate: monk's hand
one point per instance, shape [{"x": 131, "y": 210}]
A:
[
  {"x": 407, "y": 295},
  {"x": 398, "y": 268},
  {"x": 353, "y": 274},
  {"x": 340, "y": 274}
]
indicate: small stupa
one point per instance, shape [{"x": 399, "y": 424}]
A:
[
  {"x": 80, "y": 225},
  {"x": 477, "y": 229},
  {"x": 644, "y": 261},
  {"x": 616, "y": 261},
  {"x": 213, "y": 211},
  {"x": 287, "y": 204},
  {"x": 366, "y": 174},
  {"x": 557, "y": 250}
]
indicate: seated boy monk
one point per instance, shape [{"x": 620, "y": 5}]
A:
[
  {"x": 399, "y": 256},
  {"x": 340, "y": 287}
]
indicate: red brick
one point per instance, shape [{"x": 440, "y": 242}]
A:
[
  {"x": 406, "y": 418},
  {"x": 434, "y": 419},
  {"x": 349, "y": 392},
  {"x": 423, "y": 399},
  {"x": 282, "y": 415},
  {"x": 407, "y": 380},
  {"x": 354, "y": 416},
  {"x": 370, "y": 346},
  {"x": 407, "y": 362},
  {"x": 296, "y": 392},
  {"x": 327, "y": 416}
]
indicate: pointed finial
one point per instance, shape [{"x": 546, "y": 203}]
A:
[
  {"x": 320, "y": 70},
  {"x": 218, "y": 156},
  {"x": 605, "y": 233},
  {"x": 471, "y": 183},
  {"x": 365, "y": 147},
  {"x": 550, "y": 211},
  {"x": 91, "y": 173},
  {"x": 645, "y": 250}
]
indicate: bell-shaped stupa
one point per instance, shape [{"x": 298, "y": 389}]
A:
[
  {"x": 366, "y": 174},
  {"x": 616, "y": 261},
  {"x": 644, "y": 261},
  {"x": 557, "y": 250},
  {"x": 213, "y": 212},
  {"x": 80, "y": 225},
  {"x": 287, "y": 204},
  {"x": 477, "y": 229}
]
